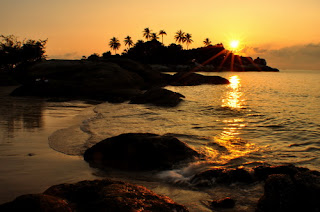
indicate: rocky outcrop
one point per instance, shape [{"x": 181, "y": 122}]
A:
[
  {"x": 191, "y": 78},
  {"x": 159, "y": 97},
  {"x": 139, "y": 152},
  {"x": 98, "y": 195},
  {"x": 113, "y": 80}
]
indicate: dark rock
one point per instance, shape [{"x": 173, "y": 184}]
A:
[
  {"x": 308, "y": 188},
  {"x": 98, "y": 195},
  {"x": 279, "y": 195},
  {"x": 262, "y": 172},
  {"x": 221, "y": 176},
  {"x": 223, "y": 203},
  {"x": 117, "y": 80},
  {"x": 287, "y": 192},
  {"x": 159, "y": 97},
  {"x": 139, "y": 151},
  {"x": 37, "y": 202},
  {"x": 190, "y": 78}
]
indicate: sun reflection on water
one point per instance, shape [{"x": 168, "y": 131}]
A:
[
  {"x": 234, "y": 97},
  {"x": 229, "y": 144}
]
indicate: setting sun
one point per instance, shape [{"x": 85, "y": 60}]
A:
[{"x": 234, "y": 44}]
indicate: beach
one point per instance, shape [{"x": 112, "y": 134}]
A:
[{"x": 258, "y": 119}]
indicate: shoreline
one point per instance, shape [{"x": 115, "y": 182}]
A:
[{"x": 25, "y": 150}]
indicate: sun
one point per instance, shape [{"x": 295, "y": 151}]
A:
[{"x": 234, "y": 44}]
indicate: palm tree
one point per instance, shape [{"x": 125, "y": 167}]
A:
[
  {"x": 128, "y": 41},
  {"x": 188, "y": 39},
  {"x": 114, "y": 44},
  {"x": 207, "y": 42},
  {"x": 147, "y": 33},
  {"x": 180, "y": 38},
  {"x": 154, "y": 36},
  {"x": 162, "y": 32}
]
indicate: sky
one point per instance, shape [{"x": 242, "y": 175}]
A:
[{"x": 284, "y": 32}]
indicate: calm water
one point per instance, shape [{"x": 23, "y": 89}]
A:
[{"x": 259, "y": 118}]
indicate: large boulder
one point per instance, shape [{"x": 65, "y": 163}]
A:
[
  {"x": 191, "y": 78},
  {"x": 98, "y": 195},
  {"x": 139, "y": 152},
  {"x": 159, "y": 97}
]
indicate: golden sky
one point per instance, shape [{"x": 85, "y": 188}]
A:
[{"x": 266, "y": 28}]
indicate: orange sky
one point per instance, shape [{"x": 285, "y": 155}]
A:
[{"x": 266, "y": 28}]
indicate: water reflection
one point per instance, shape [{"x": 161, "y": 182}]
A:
[
  {"x": 234, "y": 97},
  {"x": 20, "y": 114},
  {"x": 229, "y": 145}
]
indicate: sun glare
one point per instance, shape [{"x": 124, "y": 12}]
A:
[{"x": 234, "y": 44}]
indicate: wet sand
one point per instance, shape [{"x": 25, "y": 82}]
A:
[{"x": 27, "y": 163}]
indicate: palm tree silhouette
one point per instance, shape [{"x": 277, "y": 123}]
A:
[
  {"x": 114, "y": 44},
  {"x": 147, "y": 33},
  {"x": 162, "y": 32},
  {"x": 188, "y": 39},
  {"x": 128, "y": 41},
  {"x": 180, "y": 38},
  {"x": 154, "y": 36},
  {"x": 207, "y": 42}
]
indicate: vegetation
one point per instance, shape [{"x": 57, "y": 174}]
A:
[
  {"x": 188, "y": 39},
  {"x": 147, "y": 33},
  {"x": 207, "y": 42},
  {"x": 128, "y": 41},
  {"x": 114, "y": 44},
  {"x": 14, "y": 53},
  {"x": 162, "y": 33}
]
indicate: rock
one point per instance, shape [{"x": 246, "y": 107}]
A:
[
  {"x": 139, "y": 151},
  {"x": 262, "y": 172},
  {"x": 115, "y": 80},
  {"x": 221, "y": 176},
  {"x": 159, "y": 97},
  {"x": 279, "y": 195},
  {"x": 97, "y": 195},
  {"x": 223, "y": 203},
  {"x": 37, "y": 202},
  {"x": 287, "y": 192},
  {"x": 190, "y": 78}
]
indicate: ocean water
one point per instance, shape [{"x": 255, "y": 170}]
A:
[{"x": 259, "y": 118}]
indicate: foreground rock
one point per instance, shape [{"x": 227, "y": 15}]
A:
[
  {"x": 190, "y": 79},
  {"x": 140, "y": 152},
  {"x": 284, "y": 192},
  {"x": 98, "y": 195},
  {"x": 159, "y": 97}
]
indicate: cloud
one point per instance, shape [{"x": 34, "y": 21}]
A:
[
  {"x": 68, "y": 55},
  {"x": 292, "y": 57}
]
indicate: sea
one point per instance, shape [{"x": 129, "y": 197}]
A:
[{"x": 259, "y": 118}]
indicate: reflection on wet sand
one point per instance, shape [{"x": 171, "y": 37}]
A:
[{"x": 18, "y": 114}]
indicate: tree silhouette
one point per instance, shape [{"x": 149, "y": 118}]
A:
[
  {"x": 147, "y": 33},
  {"x": 162, "y": 33},
  {"x": 180, "y": 38},
  {"x": 128, "y": 41},
  {"x": 154, "y": 36},
  {"x": 15, "y": 53},
  {"x": 188, "y": 39},
  {"x": 114, "y": 44},
  {"x": 207, "y": 42}
]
